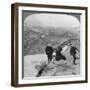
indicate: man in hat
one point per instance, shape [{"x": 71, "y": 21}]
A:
[
  {"x": 73, "y": 52},
  {"x": 49, "y": 52}
]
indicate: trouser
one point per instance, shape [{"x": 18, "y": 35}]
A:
[
  {"x": 74, "y": 58},
  {"x": 49, "y": 58}
]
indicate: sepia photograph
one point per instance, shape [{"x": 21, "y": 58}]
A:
[{"x": 49, "y": 44}]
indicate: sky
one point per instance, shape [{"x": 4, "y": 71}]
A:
[{"x": 54, "y": 21}]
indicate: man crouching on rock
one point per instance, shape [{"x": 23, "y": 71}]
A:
[{"x": 49, "y": 52}]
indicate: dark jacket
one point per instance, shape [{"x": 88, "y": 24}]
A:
[
  {"x": 73, "y": 50},
  {"x": 59, "y": 55},
  {"x": 49, "y": 49}
]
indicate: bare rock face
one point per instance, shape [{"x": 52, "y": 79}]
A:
[
  {"x": 61, "y": 69},
  {"x": 39, "y": 68}
]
